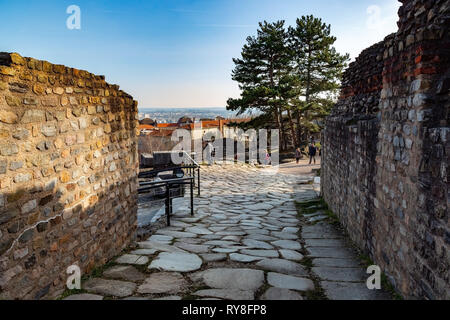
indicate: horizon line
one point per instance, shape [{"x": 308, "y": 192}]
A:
[{"x": 182, "y": 108}]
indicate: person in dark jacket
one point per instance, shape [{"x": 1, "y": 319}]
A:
[
  {"x": 312, "y": 150},
  {"x": 298, "y": 155}
]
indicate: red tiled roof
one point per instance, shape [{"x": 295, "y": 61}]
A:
[
  {"x": 204, "y": 124},
  {"x": 146, "y": 127},
  {"x": 167, "y": 125},
  {"x": 162, "y": 133}
]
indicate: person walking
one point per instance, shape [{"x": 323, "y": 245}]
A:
[
  {"x": 209, "y": 153},
  {"x": 268, "y": 160},
  {"x": 298, "y": 155},
  {"x": 312, "y": 150}
]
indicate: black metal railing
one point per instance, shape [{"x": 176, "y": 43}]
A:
[
  {"x": 185, "y": 174},
  {"x": 168, "y": 185},
  {"x": 192, "y": 171}
]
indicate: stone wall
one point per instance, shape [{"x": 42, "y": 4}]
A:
[
  {"x": 68, "y": 174},
  {"x": 386, "y": 146},
  {"x": 350, "y": 141}
]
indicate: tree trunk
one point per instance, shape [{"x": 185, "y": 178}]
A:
[
  {"x": 294, "y": 134},
  {"x": 282, "y": 130},
  {"x": 279, "y": 127},
  {"x": 308, "y": 89},
  {"x": 299, "y": 129}
]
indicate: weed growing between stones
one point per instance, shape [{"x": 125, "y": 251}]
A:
[
  {"x": 194, "y": 288},
  {"x": 68, "y": 293},
  {"x": 318, "y": 293},
  {"x": 319, "y": 204},
  {"x": 313, "y": 206},
  {"x": 98, "y": 272}
]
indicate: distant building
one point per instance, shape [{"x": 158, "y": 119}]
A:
[
  {"x": 147, "y": 121},
  {"x": 185, "y": 120}
]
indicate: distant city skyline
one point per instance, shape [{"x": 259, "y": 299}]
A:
[
  {"x": 175, "y": 53},
  {"x": 172, "y": 115}
]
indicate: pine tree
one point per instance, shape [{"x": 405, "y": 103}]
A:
[
  {"x": 263, "y": 72},
  {"x": 318, "y": 68}
]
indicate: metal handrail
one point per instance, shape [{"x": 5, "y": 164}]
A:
[
  {"x": 147, "y": 186},
  {"x": 191, "y": 159},
  {"x": 154, "y": 172},
  {"x": 161, "y": 183},
  {"x": 197, "y": 166}
]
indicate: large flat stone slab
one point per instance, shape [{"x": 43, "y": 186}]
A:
[
  {"x": 281, "y": 294},
  {"x": 261, "y": 237},
  {"x": 176, "y": 261},
  {"x": 324, "y": 243},
  {"x": 176, "y": 234},
  {"x": 163, "y": 282},
  {"x": 221, "y": 243},
  {"x": 213, "y": 257},
  {"x": 333, "y": 262},
  {"x": 227, "y": 294},
  {"x": 144, "y": 252},
  {"x": 282, "y": 266},
  {"x": 317, "y": 218},
  {"x": 352, "y": 291},
  {"x": 195, "y": 248},
  {"x": 238, "y": 257},
  {"x": 284, "y": 235},
  {"x": 127, "y": 273},
  {"x": 289, "y": 282},
  {"x": 340, "y": 274},
  {"x": 232, "y": 238},
  {"x": 290, "y": 229},
  {"x": 224, "y": 250},
  {"x": 259, "y": 207},
  {"x": 256, "y": 244},
  {"x": 291, "y": 255},
  {"x": 323, "y": 252},
  {"x": 157, "y": 246},
  {"x": 113, "y": 288},
  {"x": 320, "y": 229},
  {"x": 321, "y": 234},
  {"x": 84, "y": 297},
  {"x": 198, "y": 230},
  {"x": 160, "y": 238},
  {"x": 171, "y": 298},
  {"x": 132, "y": 259},
  {"x": 138, "y": 298},
  {"x": 287, "y": 244},
  {"x": 261, "y": 253},
  {"x": 240, "y": 279},
  {"x": 258, "y": 231}
]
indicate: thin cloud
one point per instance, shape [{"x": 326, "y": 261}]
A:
[
  {"x": 382, "y": 19},
  {"x": 379, "y": 22}
]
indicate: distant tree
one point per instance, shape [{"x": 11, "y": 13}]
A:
[
  {"x": 318, "y": 68},
  {"x": 289, "y": 77},
  {"x": 147, "y": 121},
  {"x": 185, "y": 120},
  {"x": 262, "y": 73}
]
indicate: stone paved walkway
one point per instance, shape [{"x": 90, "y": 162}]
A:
[{"x": 246, "y": 241}]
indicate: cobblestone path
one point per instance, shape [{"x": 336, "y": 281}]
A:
[{"x": 246, "y": 241}]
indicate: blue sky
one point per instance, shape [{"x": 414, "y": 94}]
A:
[{"x": 175, "y": 53}]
